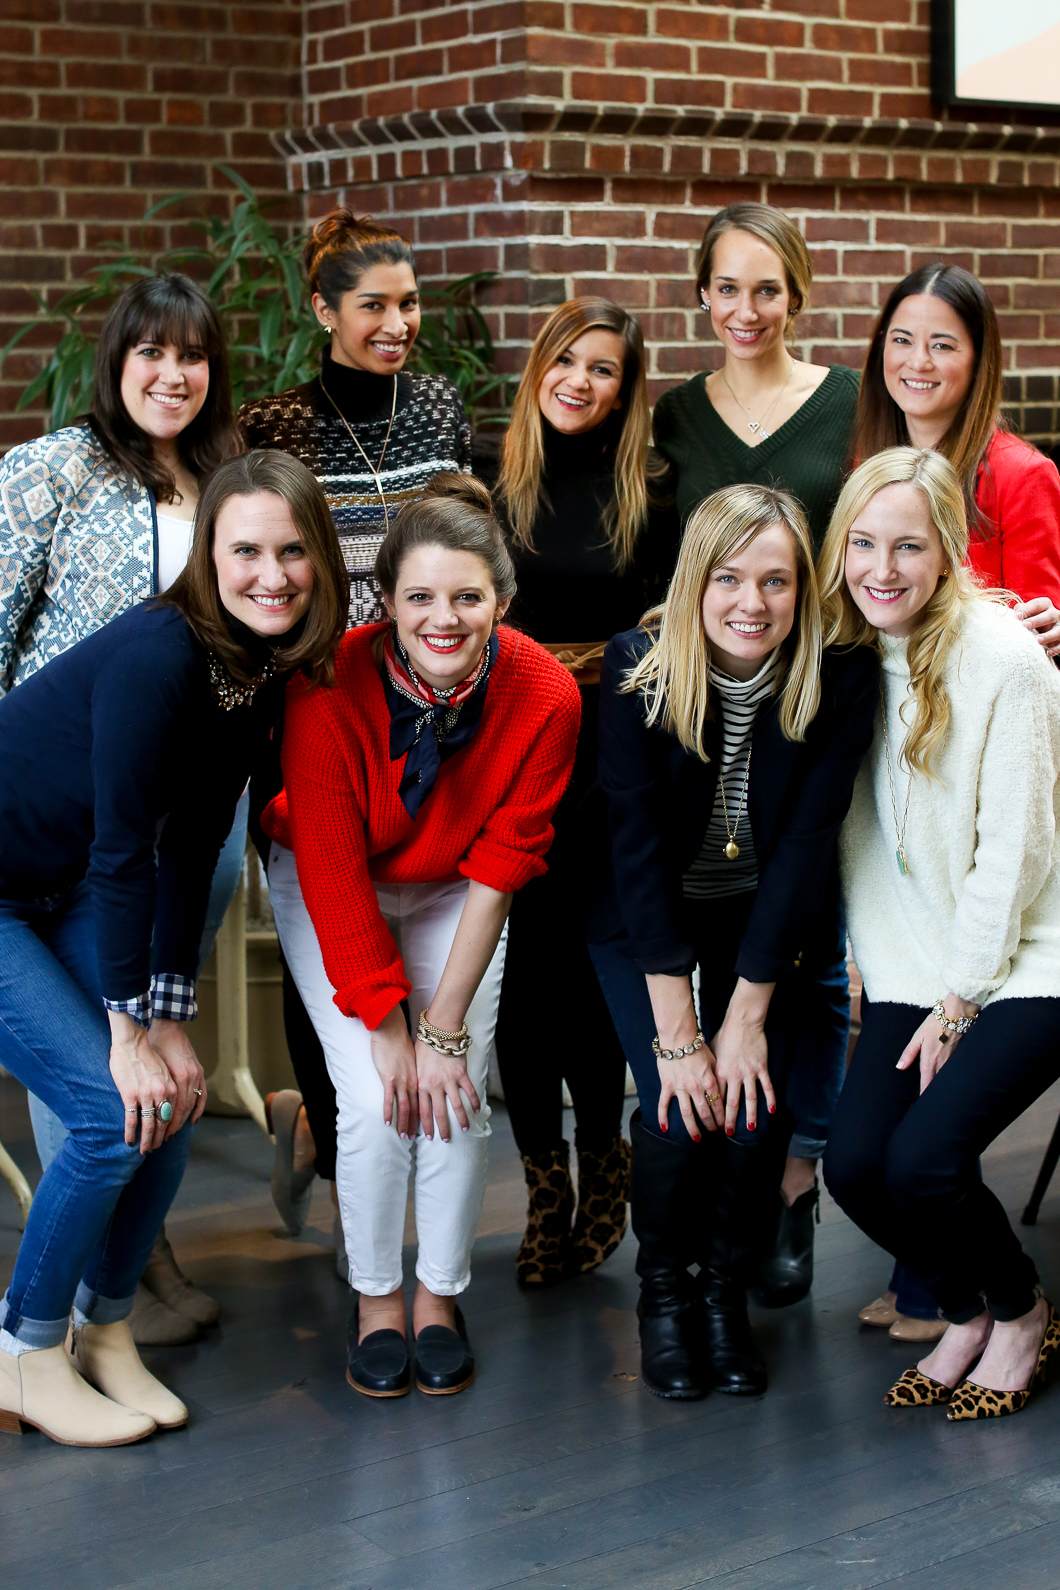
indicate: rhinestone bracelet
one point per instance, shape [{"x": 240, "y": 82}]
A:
[
  {"x": 677, "y": 1054},
  {"x": 952, "y": 1028}
]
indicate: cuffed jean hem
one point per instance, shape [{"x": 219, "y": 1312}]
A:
[
  {"x": 94, "y": 1309},
  {"x": 441, "y": 1285},
  {"x": 802, "y": 1147},
  {"x": 30, "y": 1335}
]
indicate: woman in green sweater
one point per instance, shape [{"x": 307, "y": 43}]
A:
[{"x": 768, "y": 417}]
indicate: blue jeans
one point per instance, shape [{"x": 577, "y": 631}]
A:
[
  {"x": 806, "y": 1028},
  {"x": 48, "y": 1129},
  {"x": 100, "y": 1204}
]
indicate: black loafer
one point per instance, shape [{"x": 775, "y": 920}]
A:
[
  {"x": 445, "y": 1363},
  {"x": 379, "y": 1366}
]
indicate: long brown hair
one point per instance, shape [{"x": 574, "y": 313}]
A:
[
  {"x": 165, "y": 308},
  {"x": 519, "y": 485},
  {"x": 343, "y": 246},
  {"x": 881, "y": 423},
  {"x": 195, "y": 593}
]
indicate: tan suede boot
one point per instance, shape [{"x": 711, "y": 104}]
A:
[
  {"x": 43, "y": 1389},
  {"x": 106, "y": 1356},
  {"x": 164, "y": 1277},
  {"x": 154, "y": 1325}
]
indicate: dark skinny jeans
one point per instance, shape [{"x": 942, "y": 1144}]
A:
[{"x": 903, "y": 1165}]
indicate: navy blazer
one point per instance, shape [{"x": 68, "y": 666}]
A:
[
  {"x": 660, "y": 800},
  {"x": 118, "y": 765}
]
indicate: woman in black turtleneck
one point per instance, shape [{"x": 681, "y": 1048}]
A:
[
  {"x": 594, "y": 543},
  {"x": 374, "y": 435}
]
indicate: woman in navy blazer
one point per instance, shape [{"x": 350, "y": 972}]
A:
[{"x": 728, "y": 751}]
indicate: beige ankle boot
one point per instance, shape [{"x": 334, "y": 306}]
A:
[
  {"x": 106, "y": 1355},
  {"x": 44, "y": 1390},
  {"x": 164, "y": 1277}
]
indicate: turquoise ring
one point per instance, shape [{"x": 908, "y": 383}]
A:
[{"x": 165, "y": 1111}]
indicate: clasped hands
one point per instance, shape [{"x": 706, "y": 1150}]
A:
[
  {"x": 709, "y": 1084},
  {"x": 151, "y": 1067},
  {"x": 419, "y": 1083}
]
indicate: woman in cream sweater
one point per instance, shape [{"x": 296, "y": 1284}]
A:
[{"x": 949, "y": 861}]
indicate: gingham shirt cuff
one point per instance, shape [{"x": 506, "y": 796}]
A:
[
  {"x": 173, "y": 997},
  {"x": 139, "y": 1008}
]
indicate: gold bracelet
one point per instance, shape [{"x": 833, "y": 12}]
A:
[
  {"x": 440, "y": 1033},
  {"x": 452, "y": 1044}
]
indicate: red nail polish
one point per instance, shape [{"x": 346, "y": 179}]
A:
[
  {"x": 751, "y": 1125},
  {"x": 664, "y": 1128},
  {"x": 697, "y": 1140},
  {"x": 730, "y": 1131},
  {"x": 772, "y": 1109}
]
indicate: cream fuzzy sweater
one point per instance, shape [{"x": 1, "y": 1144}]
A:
[{"x": 979, "y": 913}]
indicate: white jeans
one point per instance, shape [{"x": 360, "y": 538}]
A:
[{"x": 373, "y": 1164}]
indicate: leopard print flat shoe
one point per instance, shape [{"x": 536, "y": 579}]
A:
[
  {"x": 916, "y": 1390},
  {"x": 603, "y": 1193},
  {"x": 970, "y": 1401}
]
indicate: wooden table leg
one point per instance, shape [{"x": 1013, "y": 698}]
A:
[
  {"x": 232, "y": 1083},
  {"x": 16, "y": 1181}
]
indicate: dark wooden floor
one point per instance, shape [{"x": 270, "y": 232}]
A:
[{"x": 556, "y": 1469}]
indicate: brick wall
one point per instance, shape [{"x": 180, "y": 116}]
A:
[
  {"x": 581, "y": 147},
  {"x": 107, "y": 106}
]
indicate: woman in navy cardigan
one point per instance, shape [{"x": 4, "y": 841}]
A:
[
  {"x": 728, "y": 752},
  {"x": 121, "y": 762}
]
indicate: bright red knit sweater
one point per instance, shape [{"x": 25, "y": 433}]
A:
[
  {"x": 488, "y": 816},
  {"x": 1018, "y": 493}
]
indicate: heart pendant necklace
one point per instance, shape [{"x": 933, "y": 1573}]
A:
[{"x": 754, "y": 426}]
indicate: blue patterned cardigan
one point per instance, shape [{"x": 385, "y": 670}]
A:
[{"x": 78, "y": 546}]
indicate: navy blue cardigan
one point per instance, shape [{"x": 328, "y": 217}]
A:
[
  {"x": 118, "y": 765},
  {"x": 659, "y": 805}
]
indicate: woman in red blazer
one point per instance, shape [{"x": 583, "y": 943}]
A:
[
  {"x": 933, "y": 378},
  {"x": 419, "y": 792}
]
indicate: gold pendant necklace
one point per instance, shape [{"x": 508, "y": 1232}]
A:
[
  {"x": 732, "y": 849},
  {"x": 754, "y": 426},
  {"x": 899, "y": 855},
  {"x": 373, "y": 472}
]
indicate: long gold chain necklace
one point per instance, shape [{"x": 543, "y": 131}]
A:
[
  {"x": 732, "y": 849},
  {"x": 754, "y": 426},
  {"x": 386, "y": 441},
  {"x": 899, "y": 855}
]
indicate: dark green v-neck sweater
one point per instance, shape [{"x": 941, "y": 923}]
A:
[{"x": 809, "y": 455}]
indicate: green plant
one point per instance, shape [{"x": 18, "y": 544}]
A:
[{"x": 253, "y": 274}]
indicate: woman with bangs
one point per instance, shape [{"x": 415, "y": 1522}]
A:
[
  {"x": 594, "y": 537},
  {"x": 95, "y": 518},
  {"x": 949, "y": 861},
  {"x": 729, "y": 745}
]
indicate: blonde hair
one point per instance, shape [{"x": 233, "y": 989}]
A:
[
  {"x": 674, "y": 674},
  {"x": 519, "y": 484},
  {"x": 772, "y": 227},
  {"x": 939, "y": 619}
]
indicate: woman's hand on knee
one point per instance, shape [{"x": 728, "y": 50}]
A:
[
  {"x": 693, "y": 1083},
  {"x": 142, "y": 1079},
  {"x": 442, "y": 1081},
  {"x": 932, "y": 1044},
  {"x": 394, "y": 1057},
  {"x": 743, "y": 1064},
  {"x": 170, "y": 1040}
]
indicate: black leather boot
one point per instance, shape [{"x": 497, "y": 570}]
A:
[
  {"x": 726, "y": 1266},
  {"x": 666, "y": 1207},
  {"x": 786, "y": 1274}
]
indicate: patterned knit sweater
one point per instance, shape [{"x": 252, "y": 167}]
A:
[
  {"x": 488, "y": 816},
  {"x": 430, "y": 433},
  {"x": 78, "y": 545}
]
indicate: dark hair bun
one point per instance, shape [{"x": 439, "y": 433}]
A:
[
  {"x": 461, "y": 488},
  {"x": 343, "y": 246}
]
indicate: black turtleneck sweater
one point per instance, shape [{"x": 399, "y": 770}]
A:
[
  {"x": 430, "y": 433},
  {"x": 119, "y": 766},
  {"x": 569, "y": 588}
]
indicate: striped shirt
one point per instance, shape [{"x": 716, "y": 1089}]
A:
[{"x": 712, "y": 873}]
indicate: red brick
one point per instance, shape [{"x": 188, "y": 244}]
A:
[
  {"x": 698, "y": 91},
  {"x": 712, "y": 23},
  {"x": 907, "y": 230},
  {"x": 808, "y": 66},
  {"x": 880, "y": 73},
  {"x": 718, "y": 60},
  {"x": 838, "y": 102},
  {"x": 565, "y": 49},
  {"x": 652, "y": 55},
  {"x": 610, "y": 87},
  {"x": 608, "y": 222},
  {"x": 609, "y": 19},
  {"x": 766, "y": 96},
  {"x": 841, "y": 39},
  {"x": 770, "y": 31}
]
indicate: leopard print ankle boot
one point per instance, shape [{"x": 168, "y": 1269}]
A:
[
  {"x": 603, "y": 1193},
  {"x": 543, "y": 1257}
]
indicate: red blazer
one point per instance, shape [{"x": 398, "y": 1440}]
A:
[
  {"x": 1018, "y": 493},
  {"x": 488, "y": 816}
]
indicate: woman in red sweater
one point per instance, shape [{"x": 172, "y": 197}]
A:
[
  {"x": 419, "y": 792},
  {"x": 933, "y": 378}
]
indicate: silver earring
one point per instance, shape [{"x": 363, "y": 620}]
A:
[{"x": 706, "y": 304}]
